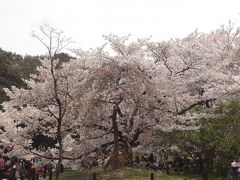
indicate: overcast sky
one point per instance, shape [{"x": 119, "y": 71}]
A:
[{"x": 86, "y": 20}]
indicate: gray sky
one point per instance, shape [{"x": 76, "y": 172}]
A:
[{"x": 86, "y": 20}]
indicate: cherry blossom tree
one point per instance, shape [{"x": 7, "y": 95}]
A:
[
  {"x": 48, "y": 103},
  {"x": 111, "y": 95},
  {"x": 197, "y": 70},
  {"x": 120, "y": 98}
]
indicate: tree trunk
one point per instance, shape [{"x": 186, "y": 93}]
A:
[
  {"x": 127, "y": 151},
  {"x": 59, "y": 138},
  {"x": 115, "y": 133},
  {"x": 115, "y": 130},
  {"x": 204, "y": 167},
  {"x": 205, "y": 171}
]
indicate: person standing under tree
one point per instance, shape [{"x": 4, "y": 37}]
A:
[{"x": 2, "y": 163}]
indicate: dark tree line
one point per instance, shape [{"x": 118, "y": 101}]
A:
[{"x": 14, "y": 68}]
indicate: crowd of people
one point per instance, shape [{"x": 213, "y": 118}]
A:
[
  {"x": 152, "y": 161},
  {"x": 32, "y": 169},
  {"x": 16, "y": 169},
  {"x": 160, "y": 161},
  {"x": 20, "y": 168}
]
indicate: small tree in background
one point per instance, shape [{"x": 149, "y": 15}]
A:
[{"x": 215, "y": 145}]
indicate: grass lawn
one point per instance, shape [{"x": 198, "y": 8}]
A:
[{"x": 129, "y": 174}]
